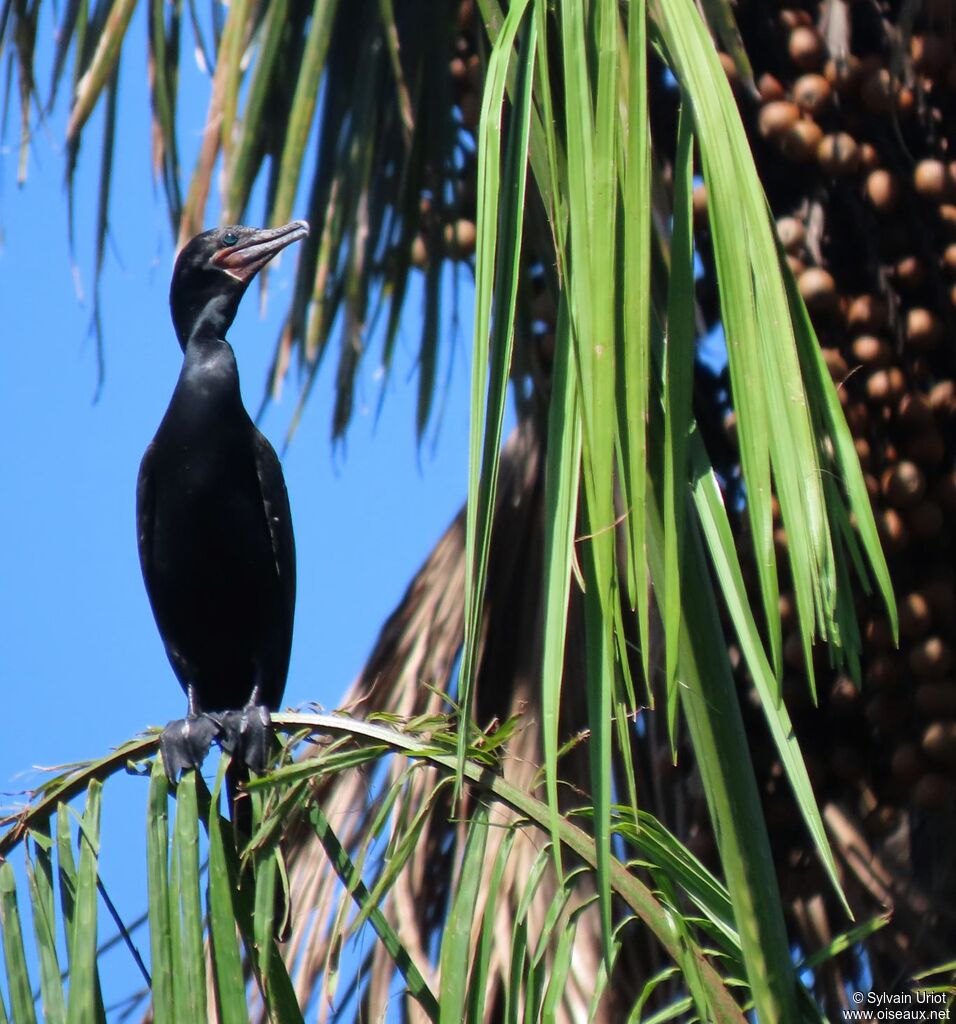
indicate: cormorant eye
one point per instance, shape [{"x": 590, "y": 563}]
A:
[{"x": 230, "y": 238}]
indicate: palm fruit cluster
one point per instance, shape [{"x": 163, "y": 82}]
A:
[{"x": 851, "y": 114}]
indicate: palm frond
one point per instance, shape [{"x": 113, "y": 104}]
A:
[{"x": 497, "y": 805}]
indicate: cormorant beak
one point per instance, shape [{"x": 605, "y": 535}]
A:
[{"x": 252, "y": 252}]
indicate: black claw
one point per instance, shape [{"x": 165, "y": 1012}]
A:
[
  {"x": 247, "y": 734},
  {"x": 186, "y": 741}
]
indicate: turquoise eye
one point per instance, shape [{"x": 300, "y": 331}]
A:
[{"x": 230, "y": 238}]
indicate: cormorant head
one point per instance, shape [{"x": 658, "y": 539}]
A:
[{"x": 214, "y": 269}]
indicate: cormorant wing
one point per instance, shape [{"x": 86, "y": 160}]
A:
[
  {"x": 275, "y": 501},
  {"x": 145, "y": 510}
]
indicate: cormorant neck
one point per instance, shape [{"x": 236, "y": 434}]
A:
[
  {"x": 209, "y": 322},
  {"x": 209, "y": 369}
]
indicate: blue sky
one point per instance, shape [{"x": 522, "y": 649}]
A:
[{"x": 81, "y": 663}]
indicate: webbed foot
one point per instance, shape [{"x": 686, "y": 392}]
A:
[
  {"x": 186, "y": 741},
  {"x": 247, "y": 734}
]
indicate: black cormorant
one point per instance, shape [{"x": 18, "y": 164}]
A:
[{"x": 212, "y": 516}]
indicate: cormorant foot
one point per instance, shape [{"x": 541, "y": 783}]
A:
[
  {"x": 186, "y": 741},
  {"x": 247, "y": 734}
]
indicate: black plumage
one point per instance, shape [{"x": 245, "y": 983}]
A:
[{"x": 213, "y": 521}]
